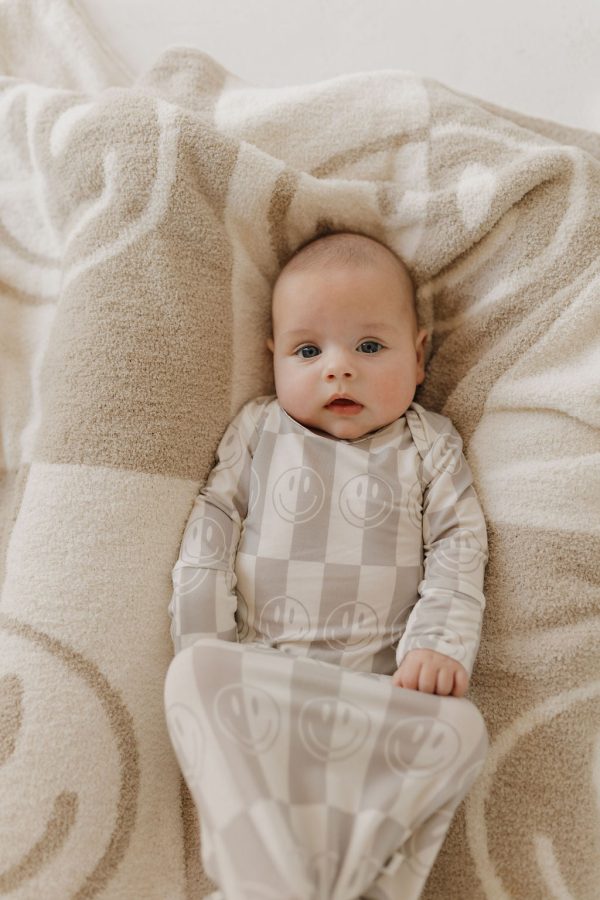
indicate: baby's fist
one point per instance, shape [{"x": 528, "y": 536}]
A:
[{"x": 431, "y": 672}]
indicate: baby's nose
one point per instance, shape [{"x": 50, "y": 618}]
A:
[
  {"x": 331, "y": 376},
  {"x": 339, "y": 365}
]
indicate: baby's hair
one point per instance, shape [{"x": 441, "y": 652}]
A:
[{"x": 347, "y": 247}]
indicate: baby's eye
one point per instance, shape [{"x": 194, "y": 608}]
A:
[
  {"x": 370, "y": 347},
  {"x": 308, "y": 351}
]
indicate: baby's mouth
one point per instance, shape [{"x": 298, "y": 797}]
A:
[{"x": 344, "y": 406}]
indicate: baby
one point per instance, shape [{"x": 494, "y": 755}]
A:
[
  {"x": 340, "y": 505},
  {"x": 334, "y": 557}
]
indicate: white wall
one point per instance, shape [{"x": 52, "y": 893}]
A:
[{"x": 540, "y": 57}]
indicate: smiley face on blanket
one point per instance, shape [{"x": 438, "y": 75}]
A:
[{"x": 72, "y": 796}]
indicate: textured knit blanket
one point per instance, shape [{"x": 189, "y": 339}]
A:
[{"x": 141, "y": 227}]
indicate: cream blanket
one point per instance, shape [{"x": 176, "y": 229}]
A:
[{"x": 141, "y": 227}]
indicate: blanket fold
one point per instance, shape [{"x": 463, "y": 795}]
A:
[{"x": 141, "y": 228}]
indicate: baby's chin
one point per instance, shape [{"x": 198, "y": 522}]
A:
[
  {"x": 345, "y": 429},
  {"x": 352, "y": 434}
]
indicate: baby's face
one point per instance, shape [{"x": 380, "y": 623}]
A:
[{"x": 346, "y": 351}]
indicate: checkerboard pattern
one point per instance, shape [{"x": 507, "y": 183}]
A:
[
  {"x": 313, "y": 780},
  {"x": 353, "y": 552}
]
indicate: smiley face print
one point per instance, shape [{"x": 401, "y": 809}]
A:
[
  {"x": 332, "y": 728},
  {"x": 419, "y": 747},
  {"x": 446, "y": 454},
  {"x": 253, "y": 490},
  {"x": 462, "y": 553},
  {"x": 204, "y": 541},
  {"x": 366, "y": 501},
  {"x": 248, "y": 716},
  {"x": 351, "y": 624},
  {"x": 188, "y": 741},
  {"x": 298, "y": 494},
  {"x": 284, "y": 617},
  {"x": 230, "y": 448}
]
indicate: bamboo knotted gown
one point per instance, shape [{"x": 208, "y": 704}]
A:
[
  {"x": 313, "y": 780},
  {"x": 308, "y": 568}
]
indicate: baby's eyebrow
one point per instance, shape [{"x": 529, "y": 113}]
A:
[
  {"x": 376, "y": 326},
  {"x": 296, "y": 333},
  {"x": 365, "y": 327}
]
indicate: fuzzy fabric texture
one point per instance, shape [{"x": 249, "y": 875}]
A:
[{"x": 141, "y": 228}]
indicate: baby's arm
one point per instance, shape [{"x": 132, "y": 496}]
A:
[
  {"x": 443, "y": 630},
  {"x": 204, "y": 601}
]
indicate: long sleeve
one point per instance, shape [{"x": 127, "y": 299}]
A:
[
  {"x": 203, "y": 603},
  {"x": 448, "y": 615}
]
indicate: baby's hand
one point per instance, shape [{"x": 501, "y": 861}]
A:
[{"x": 431, "y": 672}]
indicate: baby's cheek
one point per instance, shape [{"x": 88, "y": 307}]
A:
[
  {"x": 393, "y": 395},
  {"x": 295, "y": 391}
]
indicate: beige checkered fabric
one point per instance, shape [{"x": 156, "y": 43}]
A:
[{"x": 354, "y": 552}]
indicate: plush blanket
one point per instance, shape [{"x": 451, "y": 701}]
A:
[{"x": 141, "y": 227}]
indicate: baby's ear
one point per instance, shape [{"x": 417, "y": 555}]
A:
[
  {"x": 270, "y": 344},
  {"x": 421, "y": 344}
]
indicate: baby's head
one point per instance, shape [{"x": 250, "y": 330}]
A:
[{"x": 347, "y": 350}]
